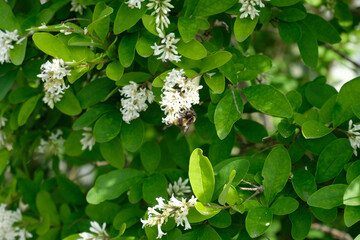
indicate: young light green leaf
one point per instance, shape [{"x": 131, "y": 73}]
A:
[
  {"x": 223, "y": 194},
  {"x": 114, "y": 70},
  {"x": 352, "y": 193},
  {"x": 52, "y": 46},
  {"x": 201, "y": 176},
  {"x": 351, "y": 215},
  {"x": 188, "y": 27},
  {"x": 192, "y": 50},
  {"x": 314, "y": 129},
  {"x": 27, "y": 108},
  {"x": 243, "y": 27},
  {"x": 69, "y": 104}
]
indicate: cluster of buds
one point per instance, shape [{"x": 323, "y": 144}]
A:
[
  {"x": 77, "y": 7},
  {"x": 97, "y": 232},
  {"x": 160, "y": 213},
  {"x": 178, "y": 96},
  {"x": 88, "y": 140},
  {"x": 54, "y": 146},
  {"x": 134, "y": 101},
  {"x": 248, "y": 8},
  {"x": 179, "y": 188},
  {"x": 52, "y": 74}
]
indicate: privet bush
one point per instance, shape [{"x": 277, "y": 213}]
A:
[{"x": 177, "y": 119}]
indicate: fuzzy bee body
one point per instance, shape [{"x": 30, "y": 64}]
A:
[{"x": 186, "y": 119}]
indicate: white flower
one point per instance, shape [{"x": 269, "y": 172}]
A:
[
  {"x": 167, "y": 48},
  {"x": 134, "y": 101},
  {"x": 77, "y": 7},
  {"x": 88, "y": 140},
  {"x": 134, "y": 3},
  {"x": 161, "y": 12},
  {"x": 43, "y": 26},
  {"x": 7, "y": 41},
  {"x": 354, "y": 136},
  {"x": 98, "y": 232},
  {"x": 8, "y": 228},
  {"x": 54, "y": 145},
  {"x": 178, "y": 188},
  {"x": 179, "y": 95},
  {"x": 52, "y": 74},
  {"x": 51, "y": 98},
  {"x": 248, "y": 8},
  {"x": 173, "y": 208}
]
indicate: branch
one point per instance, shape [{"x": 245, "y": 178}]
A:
[
  {"x": 328, "y": 46},
  {"x": 335, "y": 233},
  {"x": 270, "y": 136}
]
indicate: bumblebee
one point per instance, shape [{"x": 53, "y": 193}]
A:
[{"x": 185, "y": 120}]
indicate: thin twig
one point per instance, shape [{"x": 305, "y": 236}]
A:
[
  {"x": 249, "y": 183},
  {"x": 335, "y": 233},
  {"x": 76, "y": 19},
  {"x": 233, "y": 94},
  {"x": 270, "y": 136},
  {"x": 248, "y": 189},
  {"x": 328, "y": 46},
  {"x": 91, "y": 64}
]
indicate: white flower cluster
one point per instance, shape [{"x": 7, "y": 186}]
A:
[
  {"x": 178, "y": 188},
  {"x": 161, "y": 12},
  {"x": 354, "y": 136},
  {"x": 7, "y": 40},
  {"x": 54, "y": 146},
  {"x": 134, "y": 101},
  {"x": 7, "y": 229},
  {"x": 77, "y": 7},
  {"x": 134, "y": 3},
  {"x": 248, "y": 8},
  {"x": 160, "y": 213},
  {"x": 2, "y": 133},
  {"x": 98, "y": 232},
  {"x": 167, "y": 48},
  {"x": 52, "y": 74},
  {"x": 178, "y": 95},
  {"x": 88, "y": 140}
]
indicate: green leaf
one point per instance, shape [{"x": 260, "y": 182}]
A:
[
  {"x": 52, "y": 46},
  {"x": 353, "y": 171},
  {"x": 326, "y": 111},
  {"x": 308, "y": 46},
  {"x": 6, "y": 82},
  {"x": 314, "y": 129},
  {"x": 73, "y": 145},
  {"x": 252, "y": 130},
  {"x": 21, "y": 94},
  {"x": 291, "y": 14},
  {"x": 269, "y": 100},
  {"x": 223, "y": 194},
  {"x": 301, "y": 221},
  {"x": 226, "y": 113},
  {"x": 303, "y": 183},
  {"x": 193, "y": 49},
  {"x": 201, "y": 212},
  {"x": 126, "y": 50},
  {"x": 91, "y": 115},
  {"x": 282, "y": 3},
  {"x": 348, "y": 95},
  {"x": 258, "y": 221},
  {"x": 132, "y": 135},
  {"x": 178, "y": 148},
  {"x": 215, "y": 82},
  {"x": 127, "y": 17},
  {"x": 188, "y": 27},
  {"x": 276, "y": 172},
  {"x": 111, "y": 185},
  {"x": 69, "y": 104},
  {"x": 150, "y": 155},
  {"x": 153, "y": 187},
  {"x": 17, "y": 54},
  {"x": 27, "y": 108},
  {"x": 289, "y": 32},
  {"x": 328, "y": 197},
  {"x": 100, "y": 20},
  {"x": 108, "y": 126},
  {"x": 286, "y": 129},
  {"x": 137, "y": 77},
  {"x": 352, "y": 193},
  {"x": 94, "y": 92},
  {"x": 149, "y": 23},
  {"x": 221, "y": 220},
  {"x": 322, "y": 30},
  {"x": 215, "y": 60},
  {"x": 325, "y": 215},
  {"x": 144, "y": 43},
  {"x": 243, "y": 27},
  {"x": 212, "y": 7},
  {"x": 351, "y": 215},
  {"x": 46, "y": 206},
  {"x": 7, "y": 18},
  {"x": 201, "y": 176},
  {"x": 70, "y": 191},
  {"x": 114, "y": 70},
  {"x": 113, "y": 152},
  {"x": 284, "y": 206},
  {"x": 318, "y": 93},
  {"x": 333, "y": 159}
]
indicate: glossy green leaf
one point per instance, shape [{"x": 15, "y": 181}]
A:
[
  {"x": 137, "y": 77},
  {"x": 73, "y": 145},
  {"x": 132, "y": 134},
  {"x": 325, "y": 215},
  {"x": 303, "y": 183},
  {"x": 284, "y": 206},
  {"x": 153, "y": 187},
  {"x": 314, "y": 129},
  {"x": 318, "y": 93},
  {"x": 27, "y": 108},
  {"x": 308, "y": 46},
  {"x": 215, "y": 60},
  {"x": 352, "y": 193},
  {"x": 215, "y": 82},
  {"x": 113, "y": 152},
  {"x": 351, "y": 215},
  {"x": 17, "y": 54},
  {"x": 328, "y": 197},
  {"x": 353, "y": 171},
  {"x": 150, "y": 155},
  {"x": 276, "y": 172},
  {"x": 52, "y": 46},
  {"x": 269, "y": 100},
  {"x": 226, "y": 113},
  {"x": 114, "y": 70},
  {"x": 332, "y": 159},
  {"x": 258, "y": 221},
  {"x": 243, "y": 27},
  {"x": 212, "y": 7},
  {"x": 201, "y": 176},
  {"x": 192, "y": 50},
  {"x": 291, "y": 14},
  {"x": 223, "y": 194},
  {"x": 107, "y": 126},
  {"x": 70, "y": 191},
  {"x": 87, "y": 118},
  {"x": 69, "y": 104},
  {"x": 252, "y": 130},
  {"x": 111, "y": 185},
  {"x": 6, "y": 82},
  {"x": 127, "y": 17},
  {"x": 144, "y": 43},
  {"x": 188, "y": 27},
  {"x": 126, "y": 50},
  {"x": 221, "y": 220},
  {"x": 94, "y": 92}
]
